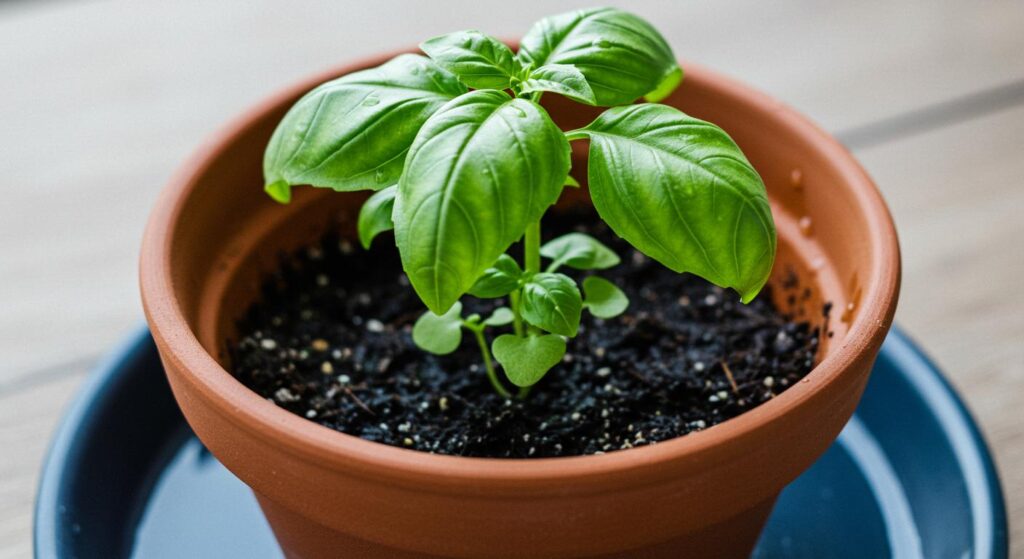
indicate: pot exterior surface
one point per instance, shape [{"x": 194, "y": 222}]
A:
[{"x": 214, "y": 234}]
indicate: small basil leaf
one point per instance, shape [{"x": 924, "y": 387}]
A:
[
  {"x": 526, "y": 360},
  {"x": 375, "y": 215},
  {"x": 603, "y": 298},
  {"x": 352, "y": 133},
  {"x": 680, "y": 190},
  {"x": 580, "y": 251},
  {"x": 498, "y": 280},
  {"x": 481, "y": 169},
  {"x": 480, "y": 61},
  {"x": 622, "y": 56},
  {"x": 571, "y": 181},
  {"x": 439, "y": 334},
  {"x": 552, "y": 302},
  {"x": 668, "y": 84},
  {"x": 500, "y": 317},
  {"x": 564, "y": 79}
]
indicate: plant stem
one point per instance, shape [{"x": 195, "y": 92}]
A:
[
  {"x": 517, "y": 321},
  {"x": 478, "y": 333},
  {"x": 531, "y": 248},
  {"x": 531, "y": 255}
]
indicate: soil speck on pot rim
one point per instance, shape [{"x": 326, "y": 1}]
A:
[{"x": 331, "y": 341}]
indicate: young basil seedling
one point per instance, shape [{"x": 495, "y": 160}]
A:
[{"x": 465, "y": 161}]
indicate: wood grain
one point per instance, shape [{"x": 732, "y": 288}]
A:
[
  {"x": 957, "y": 196},
  {"x": 101, "y": 100}
]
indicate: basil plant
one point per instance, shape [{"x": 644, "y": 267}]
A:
[{"x": 464, "y": 161}]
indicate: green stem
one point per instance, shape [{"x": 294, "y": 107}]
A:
[
  {"x": 478, "y": 333},
  {"x": 517, "y": 321},
  {"x": 531, "y": 248},
  {"x": 531, "y": 255}
]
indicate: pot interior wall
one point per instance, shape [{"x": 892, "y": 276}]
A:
[{"x": 241, "y": 234}]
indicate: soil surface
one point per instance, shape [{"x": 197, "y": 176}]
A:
[{"x": 331, "y": 341}]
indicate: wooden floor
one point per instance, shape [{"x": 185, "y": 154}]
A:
[{"x": 100, "y": 100}]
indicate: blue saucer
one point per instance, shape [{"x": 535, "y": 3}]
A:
[{"x": 910, "y": 476}]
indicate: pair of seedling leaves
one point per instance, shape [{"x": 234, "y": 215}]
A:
[
  {"x": 464, "y": 160},
  {"x": 548, "y": 300}
]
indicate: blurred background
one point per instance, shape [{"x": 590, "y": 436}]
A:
[{"x": 100, "y": 101}]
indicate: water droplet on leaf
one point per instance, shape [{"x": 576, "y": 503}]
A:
[{"x": 371, "y": 101}]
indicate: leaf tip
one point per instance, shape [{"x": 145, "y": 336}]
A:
[
  {"x": 668, "y": 84},
  {"x": 279, "y": 190},
  {"x": 365, "y": 240},
  {"x": 749, "y": 294}
]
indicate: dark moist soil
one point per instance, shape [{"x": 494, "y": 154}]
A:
[{"x": 331, "y": 341}]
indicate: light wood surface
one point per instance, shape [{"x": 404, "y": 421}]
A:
[{"x": 101, "y": 100}]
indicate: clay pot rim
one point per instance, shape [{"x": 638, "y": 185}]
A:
[{"x": 641, "y": 465}]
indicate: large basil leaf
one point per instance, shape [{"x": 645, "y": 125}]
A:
[
  {"x": 480, "y": 61},
  {"x": 552, "y": 302},
  {"x": 480, "y": 170},
  {"x": 622, "y": 56},
  {"x": 352, "y": 133},
  {"x": 680, "y": 190}
]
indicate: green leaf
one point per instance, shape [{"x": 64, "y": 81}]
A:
[
  {"x": 280, "y": 191},
  {"x": 500, "y": 317},
  {"x": 564, "y": 79},
  {"x": 481, "y": 169},
  {"x": 526, "y": 360},
  {"x": 498, "y": 280},
  {"x": 668, "y": 84},
  {"x": 680, "y": 190},
  {"x": 580, "y": 251},
  {"x": 480, "y": 61},
  {"x": 603, "y": 298},
  {"x": 571, "y": 181},
  {"x": 552, "y": 302},
  {"x": 375, "y": 215},
  {"x": 439, "y": 334},
  {"x": 352, "y": 133},
  {"x": 622, "y": 56}
]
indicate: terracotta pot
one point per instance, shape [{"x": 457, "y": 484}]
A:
[{"x": 326, "y": 494}]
